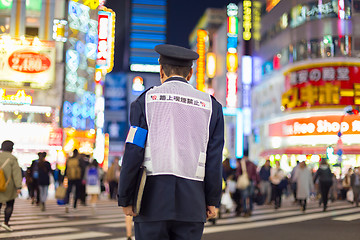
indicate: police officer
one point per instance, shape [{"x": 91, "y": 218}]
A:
[{"x": 177, "y": 133}]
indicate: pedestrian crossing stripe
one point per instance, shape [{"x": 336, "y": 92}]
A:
[
  {"x": 348, "y": 218},
  {"x": 109, "y": 223}
]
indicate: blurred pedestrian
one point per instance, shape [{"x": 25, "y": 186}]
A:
[
  {"x": 293, "y": 181},
  {"x": 35, "y": 180},
  {"x": 177, "y": 133},
  {"x": 277, "y": 178},
  {"x": 265, "y": 184},
  {"x": 29, "y": 182},
  {"x": 58, "y": 177},
  {"x": 92, "y": 178},
  {"x": 247, "y": 194},
  {"x": 12, "y": 171},
  {"x": 73, "y": 173},
  {"x": 346, "y": 185},
  {"x": 355, "y": 185},
  {"x": 325, "y": 180},
  {"x": 304, "y": 183},
  {"x": 112, "y": 177},
  {"x": 44, "y": 179},
  {"x": 84, "y": 163}
]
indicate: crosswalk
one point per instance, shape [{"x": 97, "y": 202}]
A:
[{"x": 107, "y": 221}]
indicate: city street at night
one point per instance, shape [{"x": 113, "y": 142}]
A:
[{"x": 148, "y": 118}]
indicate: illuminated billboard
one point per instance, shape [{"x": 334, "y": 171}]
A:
[
  {"x": 106, "y": 29},
  {"x": 200, "y": 63},
  {"x": 323, "y": 85},
  {"x": 26, "y": 63}
]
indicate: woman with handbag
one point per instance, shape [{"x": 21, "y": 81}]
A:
[{"x": 277, "y": 178}]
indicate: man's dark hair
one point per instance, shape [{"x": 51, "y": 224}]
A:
[
  {"x": 75, "y": 152},
  {"x": 7, "y": 146},
  {"x": 175, "y": 70}
]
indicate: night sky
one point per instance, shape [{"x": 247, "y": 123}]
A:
[{"x": 183, "y": 15}]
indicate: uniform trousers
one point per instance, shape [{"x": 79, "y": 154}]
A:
[{"x": 168, "y": 230}]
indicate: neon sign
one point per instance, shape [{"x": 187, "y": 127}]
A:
[
  {"x": 326, "y": 85},
  {"x": 247, "y": 20},
  {"x": 92, "y": 4},
  {"x": 270, "y": 4},
  {"x": 231, "y": 56},
  {"x": 200, "y": 70},
  {"x": 59, "y": 32},
  {"x": 29, "y": 62},
  {"x": 256, "y": 20},
  {"x": 80, "y": 115},
  {"x": 106, "y": 29},
  {"x": 19, "y": 98},
  {"x": 82, "y": 47}
]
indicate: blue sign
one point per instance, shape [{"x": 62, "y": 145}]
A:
[
  {"x": 116, "y": 114},
  {"x": 115, "y": 92}
]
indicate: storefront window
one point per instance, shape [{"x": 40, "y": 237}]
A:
[
  {"x": 315, "y": 49},
  {"x": 327, "y": 47},
  {"x": 357, "y": 6},
  {"x": 301, "y": 51},
  {"x": 342, "y": 46}
]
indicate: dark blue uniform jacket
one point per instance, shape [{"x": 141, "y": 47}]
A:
[{"x": 167, "y": 197}]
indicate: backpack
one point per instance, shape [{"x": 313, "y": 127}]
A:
[
  {"x": 3, "y": 182},
  {"x": 92, "y": 177},
  {"x": 73, "y": 171}
]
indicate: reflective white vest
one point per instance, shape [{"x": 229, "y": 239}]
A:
[{"x": 178, "y": 119}]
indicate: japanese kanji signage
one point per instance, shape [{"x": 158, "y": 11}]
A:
[
  {"x": 318, "y": 125},
  {"x": 327, "y": 85}
]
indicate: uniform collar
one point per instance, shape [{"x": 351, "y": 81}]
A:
[{"x": 176, "y": 78}]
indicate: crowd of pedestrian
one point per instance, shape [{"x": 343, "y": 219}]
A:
[
  {"x": 268, "y": 184},
  {"x": 82, "y": 177}
]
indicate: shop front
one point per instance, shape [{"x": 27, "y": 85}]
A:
[{"x": 310, "y": 120}]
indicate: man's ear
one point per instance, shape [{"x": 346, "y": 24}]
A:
[
  {"x": 162, "y": 74},
  {"x": 190, "y": 74}
]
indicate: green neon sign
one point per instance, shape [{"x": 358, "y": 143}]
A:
[{"x": 33, "y": 5}]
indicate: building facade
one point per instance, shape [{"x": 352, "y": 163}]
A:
[{"x": 309, "y": 64}]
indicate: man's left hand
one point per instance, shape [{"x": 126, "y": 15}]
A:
[
  {"x": 128, "y": 211},
  {"x": 210, "y": 212}
]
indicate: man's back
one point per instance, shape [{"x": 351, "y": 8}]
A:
[
  {"x": 73, "y": 169},
  {"x": 178, "y": 118}
]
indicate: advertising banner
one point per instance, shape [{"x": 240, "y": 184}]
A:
[
  {"x": 319, "y": 125},
  {"x": 26, "y": 63},
  {"x": 329, "y": 84}
]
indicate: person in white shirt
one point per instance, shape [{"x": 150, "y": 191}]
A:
[{"x": 277, "y": 179}]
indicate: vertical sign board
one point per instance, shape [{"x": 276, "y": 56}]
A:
[
  {"x": 232, "y": 56},
  {"x": 81, "y": 57},
  {"x": 234, "y": 141},
  {"x": 200, "y": 63},
  {"x": 116, "y": 117},
  {"x": 106, "y": 29}
]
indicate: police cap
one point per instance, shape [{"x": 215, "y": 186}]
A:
[{"x": 176, "y": 55}]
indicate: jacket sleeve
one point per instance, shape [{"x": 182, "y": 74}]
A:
[
  {"x": 133, "y": 156},
  {"x": 213, "y": 167}
]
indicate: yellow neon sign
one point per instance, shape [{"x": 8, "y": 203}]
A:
[
  {"x": 247, "y": 20},
  {"x": 19, "y": 98},
  {"x": 200, "y": 70}
]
